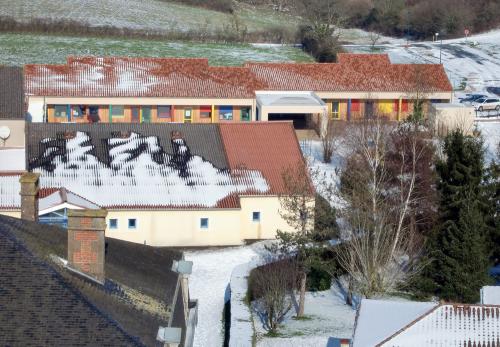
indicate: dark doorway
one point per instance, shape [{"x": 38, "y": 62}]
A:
[
  {"x": 299, "y": 120},
  {"x": 369, "y": 109}
]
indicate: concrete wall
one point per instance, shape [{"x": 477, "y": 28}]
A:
[
  {"x": 444, "y": 118},
  {"x": 16, "y": 126}
]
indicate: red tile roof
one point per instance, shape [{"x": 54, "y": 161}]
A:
[
  {"x": 146, "y": 77},
  {"x": 269, "y": 147},
  {"x": 193, "y": 77},
  {"x": 353, "y": 73}
]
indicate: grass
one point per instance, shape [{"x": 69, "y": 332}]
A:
[
  {"x": 302, "y": 318},
  {"x": 145, "y": 14},
  {"x": 19, "y": 49}
]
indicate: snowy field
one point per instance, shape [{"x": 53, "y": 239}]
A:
[
  {"x": 19, "y": 49},
  {"x": 475, "y": 61},
  {"x": 491, "y": 135},
  {"x": 144, "y": 14}
]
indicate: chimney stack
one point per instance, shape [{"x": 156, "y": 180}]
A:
[
  {"x": 86, "y": 242},
  {"x": 29, "y": 196}
]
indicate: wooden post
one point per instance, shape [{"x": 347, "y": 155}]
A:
[{"x": 400, "y": 103}]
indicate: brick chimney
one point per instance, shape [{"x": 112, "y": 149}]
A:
[
  {"x": 86, "y": 242},
  {"x": 29, "y": 196}
]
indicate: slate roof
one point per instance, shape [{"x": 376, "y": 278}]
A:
[
  {"x": 11, "y": 93},
  {"x": 147, "y": 77},
  {"x": 193, "y": 77},
  {"x": 144, "y": 166},
  {"x": 42, "y": 304},
  {"x": 415, "y": 324}
]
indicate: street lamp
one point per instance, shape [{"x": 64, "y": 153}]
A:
[{"x": 440, "y": 46}]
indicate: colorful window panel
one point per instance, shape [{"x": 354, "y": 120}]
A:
[{"x": 226, "y": 113}]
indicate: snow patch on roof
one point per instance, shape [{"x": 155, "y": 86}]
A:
[{"x": 140, "y": 173}]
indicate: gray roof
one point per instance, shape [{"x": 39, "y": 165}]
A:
[{"x": 11, "y": 93}]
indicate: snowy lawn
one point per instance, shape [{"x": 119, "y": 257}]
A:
[
  {"x": 327, "y": 316},
  {"x": 209, "y": 284},
  {"x": 20, "y": 49}
]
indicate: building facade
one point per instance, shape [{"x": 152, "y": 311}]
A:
[{"x": 158, "y": 90}]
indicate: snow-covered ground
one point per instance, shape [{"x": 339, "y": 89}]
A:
[
  {"x": 327, "y": 316},
  {"x": 209, "y": 284},
  {"x": 475, "y": 61},
  {"x": 491, "y": 135}
]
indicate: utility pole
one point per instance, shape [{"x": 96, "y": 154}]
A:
[{"x": 440, "y": 46}]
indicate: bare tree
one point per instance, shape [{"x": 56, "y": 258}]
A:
[
  {"x": 271, "y": 285},
  {"x": 379, "y": 243},
  {"x": 374, "y": 37},
  {"x": 331, "y": 138}
]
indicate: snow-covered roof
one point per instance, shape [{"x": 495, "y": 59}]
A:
[
  {"x": 9, "y": 190},
  {"x": 62, "y": 197},
  {"x": 490, "y": 295},
  {"x": 165, "y": 165},
  {"x": 188, "y": 77},
  {"x": 379, "y": 319},
  {"x": 416, "y": 324},
  {"x": 12, "y": 159}
]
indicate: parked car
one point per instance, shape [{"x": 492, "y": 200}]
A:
[
  {"x": 472, "y": 97},
  {"x": 485, "y": 104},
  {"x": 494, "y": 90}
]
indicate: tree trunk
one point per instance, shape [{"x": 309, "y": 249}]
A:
[
  {"x": 348, "y": 297},
  {"x": 302, "y": 294}
]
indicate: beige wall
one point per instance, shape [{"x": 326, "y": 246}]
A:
[
  {"x": 11, "y": 213},
  {"x": 16, "y": 138},
  {"x": 181, "y": 228}
]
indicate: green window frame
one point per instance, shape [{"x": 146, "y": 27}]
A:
[
  {"x": 117, "y": 110},
  {"x": 246, "y": 114},
  {"x": 146, "y": 114}
]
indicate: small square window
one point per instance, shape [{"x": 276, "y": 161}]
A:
[
  {"x": 203, "y": 223},
  {"x": 245, "y": 114},
  {"x": 164, "y": 112},
  {"x": 226, "y": 113},
  {"x": 205, "y": 111},
  {"x": 61, "y": 110},
  {"x": 132, "y": 223},
  {"x": 77, "y": 111},
  {"x": 117, "y": 111},
  {"x": 256, "y": 216},
  {"x": 113, "y": 223}
]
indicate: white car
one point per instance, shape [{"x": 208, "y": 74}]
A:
[{"x": 485, "y": 104}]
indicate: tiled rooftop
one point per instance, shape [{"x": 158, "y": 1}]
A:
[
  {"x": 165, "y": 165},
  {"x": 188, "y": 77}
]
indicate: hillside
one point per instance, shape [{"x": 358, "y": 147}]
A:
[
  {"x": 19, "y": 49},
  {"x": 145, "y": 14}
]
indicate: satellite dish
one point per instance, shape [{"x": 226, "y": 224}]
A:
[{"x": 4, "y": 132}]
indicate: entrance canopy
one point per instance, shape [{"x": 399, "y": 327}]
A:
[{"x": 284, "y": 102}]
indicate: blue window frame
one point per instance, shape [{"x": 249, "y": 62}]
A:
[
  {"x": 132, "y": 223},
  {"x": 203, "y": 223},
  {"x": 113, "y": 223},
  {"x": 225, "y": 112},
  {"x": 256, "y": 216}
]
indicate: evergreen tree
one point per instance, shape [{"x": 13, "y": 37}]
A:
[{"x": 458, "y": 250}]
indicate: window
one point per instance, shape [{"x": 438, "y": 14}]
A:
[
  {"x": 226, "y": 113},
  {"x": 164, "y": 112},
  {"x": 355, "y": 105},
  {"x": 188, "y": 113},
  {"x": 94, "y": 114},
  {"x": 335, "y": 109},
  {"x": 77, "y": 110},
  {"x": 135, "y": 114},
  {"x": 404, "y": 106},
  {"x": 132, "y": 223},
  {"x": 256, "y": 216},
  {"x": 113, "y": 223},
  {"x": 245, "y": 114},
  {"x": 61, "y": 111},
  {"x": 203, "y": 223},
  {"x": 117, "y": 111},
  {"x": 146, "y": 114},
  {"x": 205, "y": 111}
]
